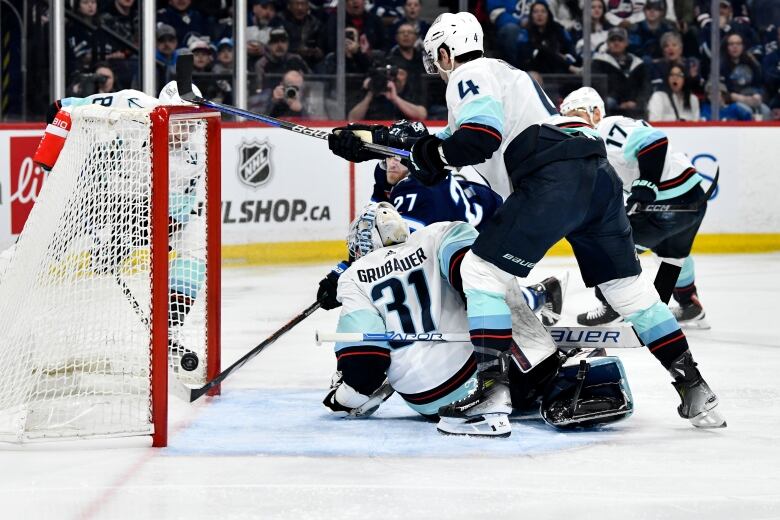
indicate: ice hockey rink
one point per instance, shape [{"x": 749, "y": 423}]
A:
[{"x": 267, "y": 448}]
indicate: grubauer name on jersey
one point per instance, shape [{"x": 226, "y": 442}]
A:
[{"x": 448, "y": 201}]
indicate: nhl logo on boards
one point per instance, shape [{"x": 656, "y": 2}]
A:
[{"x": 254, "y": 163}]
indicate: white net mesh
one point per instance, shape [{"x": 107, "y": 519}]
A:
[{"x": 75, "y": 299}]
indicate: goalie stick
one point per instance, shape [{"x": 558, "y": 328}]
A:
[
  {"x": 192, "y": 394},
  {"x": 655, "y": 207},
  {"x": 564, "y": 337},
  {"x": 184, "y": 86}
]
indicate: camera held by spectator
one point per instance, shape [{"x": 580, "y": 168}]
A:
[
  {"x": 388, "y": 95},
  {"x": 379, "y": 78},
  {"x": 287, "y": 99},
  {"x": 100, "y": 81}
]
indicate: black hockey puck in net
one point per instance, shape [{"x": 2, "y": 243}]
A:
[{"x": 189, "y": 361}]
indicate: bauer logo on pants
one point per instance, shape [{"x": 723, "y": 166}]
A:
[{"x": 254, "y": 163}]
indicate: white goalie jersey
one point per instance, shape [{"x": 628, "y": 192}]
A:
[{"x": 407, "y": 288}]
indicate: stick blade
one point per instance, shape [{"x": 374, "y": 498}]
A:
[{"x": 184, "y": 69}]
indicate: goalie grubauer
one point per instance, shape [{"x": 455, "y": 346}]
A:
[
  {"x": 412, "y": 283},
  {"x": 187, "y": 272}
]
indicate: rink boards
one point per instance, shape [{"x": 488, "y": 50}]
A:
[{"x": 287, "y": 198}]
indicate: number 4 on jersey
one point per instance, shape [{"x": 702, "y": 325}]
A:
[{"x": 470, "y": 87}]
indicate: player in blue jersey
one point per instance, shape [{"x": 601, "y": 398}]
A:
[
  {"x": 556, "y": 184},
  {"x": 452, "y": 199}
]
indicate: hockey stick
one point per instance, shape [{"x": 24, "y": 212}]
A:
[
  {"x": 655, "y": 207},
  {"x": 184, "y": 85},
  {"x": 195, "y": 393},
  {"x": 564, "y": 337},
  {"x": 189, "y": 360}
]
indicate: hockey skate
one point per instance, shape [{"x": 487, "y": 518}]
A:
[
  {"x": 604, "y": 314},
  {"x": 554, "y": 289},
  {"x": 484, "y": 412},
  {"x": 691, "y": 315},
  {"x": 698, "y": 400}
]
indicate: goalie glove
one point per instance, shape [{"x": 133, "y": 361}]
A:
[
  {"x": 328, "y": 290},
  {"x": 349, "y": 141},
  {"x": 345, "y": 401}
]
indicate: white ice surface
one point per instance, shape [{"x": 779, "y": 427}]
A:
[{"x": 268, "y": 449}]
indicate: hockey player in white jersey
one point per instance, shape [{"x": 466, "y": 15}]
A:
[
  {"x": 412, "y": 284},
  {"x": 651, "y": 170},
  {"x": 187, "y": 154},
  {"x": 556, "y": 185}
]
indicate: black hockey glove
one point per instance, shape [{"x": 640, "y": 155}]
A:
[
  {"x": 326, "y": 294},
  {"x": 427, "y": 165},
  {"x": 349, "y": 141},
  {"x": 642, "y": 192}
]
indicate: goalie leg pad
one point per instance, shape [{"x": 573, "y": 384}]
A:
[{"x": 593, "y": 395}]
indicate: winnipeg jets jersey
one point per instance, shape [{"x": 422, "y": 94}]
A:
[
  {"x": 491, "y": 92},
  {"x": 625, "y": 138},
  {"x": 452, "y": 199},
  {"x": 406, "y": 288}
]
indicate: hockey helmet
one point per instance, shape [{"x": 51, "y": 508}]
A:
[
  {"x": 458, "y": 33},
  {"x": 584, "y": 98},
  {"x": 169, "y": 95},
  {"x": 595, "y": 392},
  {"x": 378, "y": 225}
]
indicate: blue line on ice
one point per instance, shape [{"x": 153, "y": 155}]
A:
[{"x": 283, "y": 422}]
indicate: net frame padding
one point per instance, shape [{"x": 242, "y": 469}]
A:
[{"x": 85, "y": 302}]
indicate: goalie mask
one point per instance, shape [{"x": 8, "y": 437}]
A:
[
  {"x": 169, "y": 95},
  {"x": 592, "y": 393},
  {"x": 378, "y": 225}
]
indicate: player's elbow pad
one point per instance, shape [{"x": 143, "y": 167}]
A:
[
  {"x": 472, "y": 143},
  {"x": 651, "y": 160}
]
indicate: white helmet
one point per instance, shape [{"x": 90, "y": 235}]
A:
[
  {"x": 584, "y": 98},
  {"x": 459, "y": 33},
  {"x": 378, "y": 225},
  {"x": 169, "y": 95}
]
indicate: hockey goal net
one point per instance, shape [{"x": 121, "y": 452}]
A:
[{"x": 114, "y": 281}]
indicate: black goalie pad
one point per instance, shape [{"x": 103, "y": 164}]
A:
[{"x": 591, "y": 393}]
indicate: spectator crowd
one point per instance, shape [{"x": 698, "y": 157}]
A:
[{"x": 650, "y": 59}]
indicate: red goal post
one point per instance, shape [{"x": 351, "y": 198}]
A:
[{"x": 162, "y": 118}]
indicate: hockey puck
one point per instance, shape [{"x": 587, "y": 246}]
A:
[{"x": 189, "y": 361}]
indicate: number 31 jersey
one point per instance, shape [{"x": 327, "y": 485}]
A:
[{"x": 407, "y": 288}]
